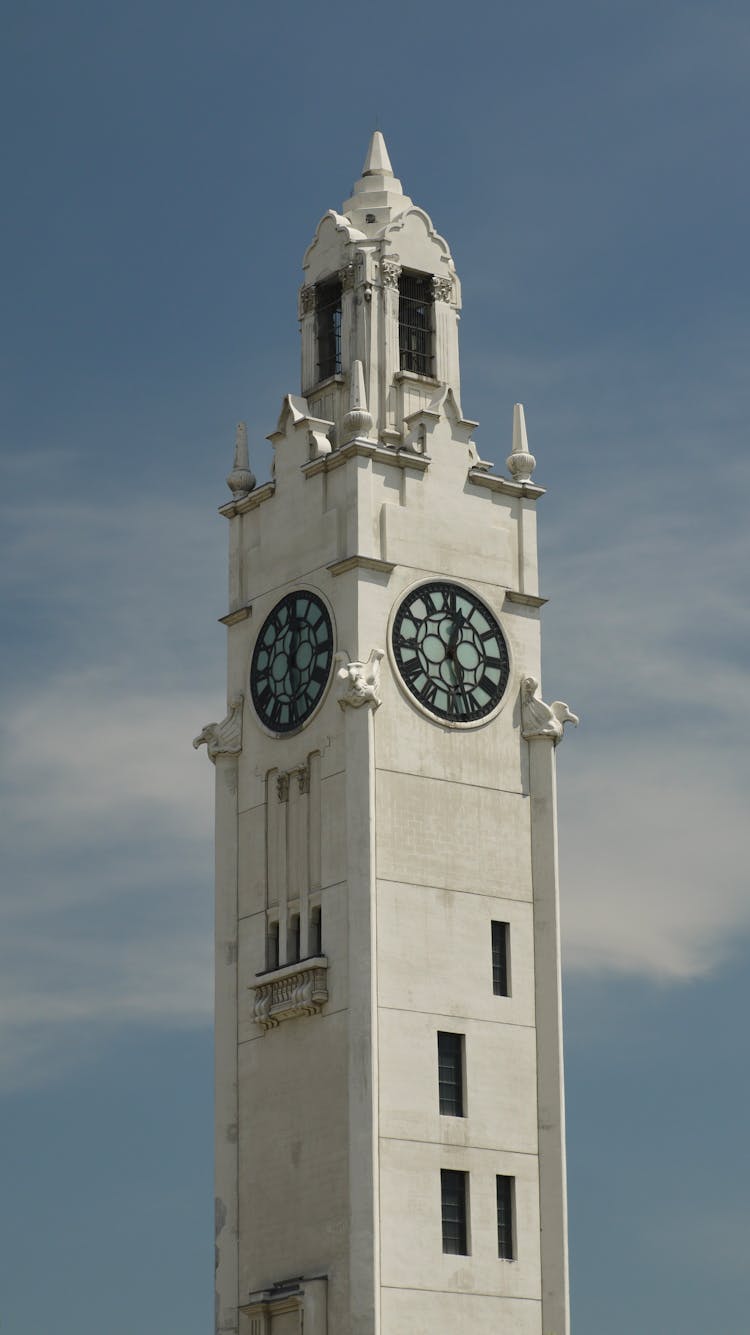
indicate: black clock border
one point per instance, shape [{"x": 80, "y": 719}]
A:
[
  {"x": 300, "y": 721},
  {"x": 443, "y": 715}
]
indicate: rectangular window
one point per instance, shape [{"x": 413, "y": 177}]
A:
[
  {"x": 451, "y": 1074},
  {"x": 415, "y": 325},
  {"x": 505, "y": 1218},
  {"x": 500, "y": 959},
  {"x": 272, "y": 946},
  {"x": 328, "y": 328},
  {"x": 316, "y": 932},
  {"x": 292, "y": 944},
  {"x": 454, "y": 1191}
]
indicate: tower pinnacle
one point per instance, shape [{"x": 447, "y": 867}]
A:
[{"x": 377, "y": 162}]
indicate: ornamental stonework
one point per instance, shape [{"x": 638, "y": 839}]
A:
[
  {"x": 442, "y": 289},
  {"x": 307, "y": 299},
  {"x": 304, "y": 991},
  {"x": 390, "y": 273}
]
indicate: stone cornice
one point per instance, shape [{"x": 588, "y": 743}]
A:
[
  {"x": 366, "y": 449},
  {"x": 503, "y": 484},
  {"x": 361, "y": 563},
  {"x": 240, "y": 614},
  {"x": 250, "y": 502},
  {"x": 525, "y": 599}
]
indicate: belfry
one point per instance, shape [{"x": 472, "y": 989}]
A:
[{"x": 390, "y": 1141}]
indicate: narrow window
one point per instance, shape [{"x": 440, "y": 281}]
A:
[
  {"x": 272, "y": 946},
  {"x": 500, "y": 959},
  {"x": 292, "y": 945},
  {"x": 451, "y": 1074},
  {"x": 453, "y": 1187},
  {"x": 328, "y": 328},
  {"x": 505, "y": 1218},
  {"x": 316, "y": 932},
  {"x": 415, "y": 337}
]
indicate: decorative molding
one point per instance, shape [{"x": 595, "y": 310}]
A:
[
  {"x": 381, "y": 454},
  {"x": 361, "y": 563},
  {"x": 503, "y": 484},
  {"x": 307, "y": 299},
  {"x": 250, "y": 502},
  {"x": 346, "y": 277},
  {"x": 225, "y": 738},
  {"x": 390, "y": 273},
  {"x": 442, "y": 289},
  {"x": 303, "y": 778},
  {"x": 240, "y": 614},
  {"x": 295, "y": 989},
  {"x": 359, "y": 682},
  {"x": 282, "y": 786},
  {"x": 525, "y": 599},
  {"x": 539, "y": 719}
]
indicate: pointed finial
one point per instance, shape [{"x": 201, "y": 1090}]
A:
[
  {"x": 521, "y": 463},
  {"x": 241, "y": 481},
  {"x": 358, "y": 421},
  {"x": 377, "y": 162}
]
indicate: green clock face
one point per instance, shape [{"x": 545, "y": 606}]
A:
[
  {"x": 291, "y": 661},
  {"x": 450, "y": 652}
]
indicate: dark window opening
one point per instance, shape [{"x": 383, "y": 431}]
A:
[
  {"x": 292, "y": 945},
  {"x": 328, "y": 328},
  {"x": 505, "y": 1218},
  {"x": 316, "y": 932},
  {"x": 415, "y": 325},
  {"x": 451, "y": 1074},
  {"x": 453, "y": 1187},
  {"x": 272, "y": 946},
  {"x": 500, "y": 959}
]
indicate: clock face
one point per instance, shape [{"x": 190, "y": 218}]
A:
[
  {"x": 291, "y": 661},
  {"x": 450, "y": 651}
]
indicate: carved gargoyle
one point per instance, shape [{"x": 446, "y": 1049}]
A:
[
  {"x": 223, "y": 738},
  {"x": 539, "y": 719},
  {"x": 359, "y": 683}
]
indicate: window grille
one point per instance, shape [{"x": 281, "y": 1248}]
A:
[
  {"x": 453, "y": 1188},
  {"x": 415, "y": 332},
  {"x": 450, "y": 1074},
  {"x": 328, "y": 328},
  {"x": 500, "y": 959},
  {"x": 272, "y": 946},
  {"x": 316, "y": 932},
  {"x": 505, "y": 1218}
]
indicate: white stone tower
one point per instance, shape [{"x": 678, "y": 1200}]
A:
[{"x": 389, "y": 1105}]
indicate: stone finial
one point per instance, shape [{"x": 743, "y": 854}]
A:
[
  {"x": 539, "y": 719},
  {"x": 377, "y": 162},
  {"x": 358, "y": 421},
  {"x": 225, "y": 738},
  {"x": 241, "y": 481},
  {"x": 521, "y": 463},
  {"x": 358, "y": 682}
]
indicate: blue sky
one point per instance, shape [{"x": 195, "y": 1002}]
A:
[{"x": 166, "y": 165}]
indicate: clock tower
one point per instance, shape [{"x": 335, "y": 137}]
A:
[{"x": 390, "y": 1149}]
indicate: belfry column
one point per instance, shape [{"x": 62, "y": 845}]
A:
[
  {"x": 542, "y": 727},
  {"x": 224, "y": 743},
  {"x": 359, "y": 697}
]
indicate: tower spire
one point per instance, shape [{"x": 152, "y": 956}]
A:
[{"x": 377, "y": 162}]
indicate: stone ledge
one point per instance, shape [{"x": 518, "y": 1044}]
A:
[
  {"x": 239, "y": 614},
  {"x": 361, "y": 563},
  {"x": 367, "y": 449},
  {"x": 525, "y": 599},
  {"x": 504, "y": 484},
  {"x": 249, "y": 502},
  {"x": 294, "y": 989}
]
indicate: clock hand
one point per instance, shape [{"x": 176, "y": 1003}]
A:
[{"x": 455, "y": 633}]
